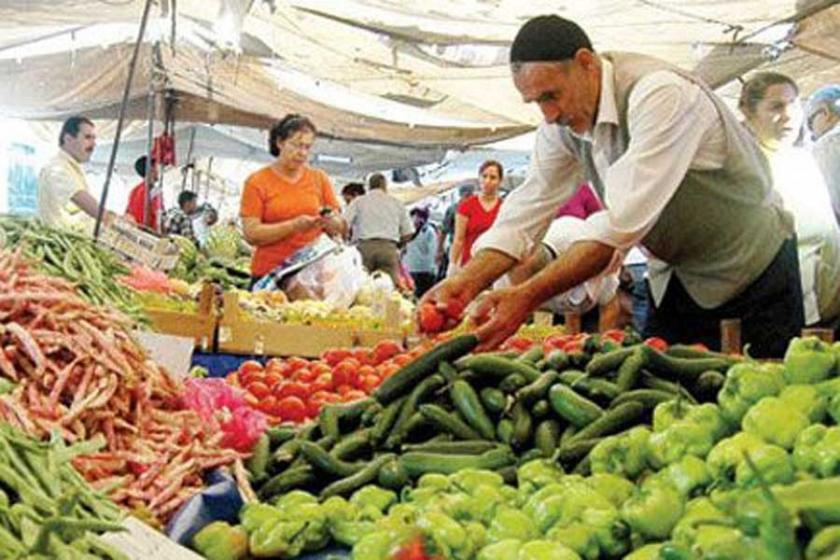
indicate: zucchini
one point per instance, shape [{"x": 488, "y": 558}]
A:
[
  {"x": 413, "y": 372},
  {"x": 651, "y": 381},
  {"x": 532, "y": 355},
  {"x": 611, "y": 422},
  {"x": 448, "y": 371},
  {"x": 417, "y": 463},
  {"x": 571, "y": 406},
  {"x": 504, "y": 430},
  {"x": 684, "y": 370},
  {"x": 319, "y": 458},
  {"x": 286, "y": 481},
  {"x": 468, "y": 404},
  {"x": 541, "y": 409},
  {"x": 546, "y": 437},
  {"x": 386, "y": 420},
  {"x": 602, "y": 364},
  {"x": 493, "y": 399},
  {"x": 689, "y": 352},
  {"x": 596, "y": 389},
  {"x": 352, "y": 445},
  {"x": 497, "y": 367},
  {"x": 630, "y": 370},
  {"x": 571, "y": 453},
  {"x": 419, "y": 393},
  {"x": 448, "y": 422},
  {"x": 351, "y": 483},
  {"x": 537, "y": 389}
]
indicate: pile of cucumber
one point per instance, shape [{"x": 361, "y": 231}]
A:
[{"x": 451, "y": 409}]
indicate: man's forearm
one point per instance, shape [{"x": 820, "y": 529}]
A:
[
  {"x": 485, "y": 267},
  {"x": 583, "y": 260}
]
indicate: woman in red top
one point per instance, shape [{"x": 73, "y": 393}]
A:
[{"x": 476, "y": 214}]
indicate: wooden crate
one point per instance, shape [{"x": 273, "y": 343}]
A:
[
  {"x": 393, "y": 329},
  {"x": 200, "y": 326},
  {"x": 241, "y": 334}
]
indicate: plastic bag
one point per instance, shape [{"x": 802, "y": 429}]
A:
[
  {"x": 219, "y": 501},
  {"x": 222, "y": 407},
  {"x": 335, "y": 278}
]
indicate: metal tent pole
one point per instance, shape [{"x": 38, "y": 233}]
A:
[
  {"x": 150, "y": 139},
  {"x": 123, "y": 106}
]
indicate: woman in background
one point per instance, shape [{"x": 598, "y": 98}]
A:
[{"x": 476, "y": 214}]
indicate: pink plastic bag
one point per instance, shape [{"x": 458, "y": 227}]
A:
[{"x": 223, "y": 407}]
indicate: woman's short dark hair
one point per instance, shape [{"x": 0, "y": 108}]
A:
[
  {"x": 492, "y": 163},
  {"x": 353, "y": 189},
  {"x": 756, "y": 88},
  {"x": 140, "y": 165},
  {"x": 286, "y": 127}
]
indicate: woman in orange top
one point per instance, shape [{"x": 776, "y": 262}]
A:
[{"x": 282, "y": 203}]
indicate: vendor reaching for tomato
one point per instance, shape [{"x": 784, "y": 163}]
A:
[{"x": 680, "y": 177}]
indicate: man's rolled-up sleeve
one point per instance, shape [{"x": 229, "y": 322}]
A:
[{"x": 552, "y": 178}]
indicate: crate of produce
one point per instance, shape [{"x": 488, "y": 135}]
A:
[
  {"x": 200, "y": 324},
  {"x": 140, "y": 246},
  {"x": 241, "y": 333}
]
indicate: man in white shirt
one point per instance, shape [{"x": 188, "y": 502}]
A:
[
  {"x": 824, "y": 122},
  {"x": 64, "y": 200},
  {"x": 381, "y": 225},
  {"x": 679, "y": 175}
]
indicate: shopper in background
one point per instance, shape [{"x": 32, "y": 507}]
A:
[
  {"x": 824, "y": 122},
  {"x": 680, "y": 176},
  {"x": 179, "y": 221},
  {"x": 583, "y": 204},
  {"x": 420, "y": 252},
  {"x": 447, "y": 230},
  {"x": 352, "y": 191},
  {"x": 287, "y": 205},
  {"x": 64, "y": 199},
  {"x": 203, "y": 220},
  {"x": 137, "y": 198},
  {"x": 476, "y": 214},
  {"x": 770, "y": 103},
  {"x": 380, "y": 224}
]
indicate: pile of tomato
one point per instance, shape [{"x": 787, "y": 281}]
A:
[{"x": 294, "y": 389}]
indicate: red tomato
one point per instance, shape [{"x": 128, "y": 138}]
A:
[
  {"x": 518, "y": 343},
  {"x": 291, "y": 408},
  {"x": 272, "y": 378},
  {"x": 345, "y": 372},
  {"x": 430, "y": 319},
  {"x": 615, "y": 335},
  {"x": 344, "y": 389},
  {"x": 370, "y": 382},
  {"x": 353, "y": 395},
  {"x": 320, "y": 368},
  {"x": 573, "y": 346},
  {"x": 249, "y": 366},
  {"x": 362, "y": 356},
  {"x": 412, "y": 550},
  {"x": 323, "y": 382},
  {"x": 335, "y": 355},
  {"x": 385, "y": 350},
  {"x": 388, "y": 370},
  {"x": 292, "y": 389},
  {"x": 403, "y": 359},
  {"x": 295, "y": 363},
  {"x": 258, "y": 389},
  {"x": 454, "y": 309},
  {"x": 267, "y": 404},
  {"x": 361, "y": 373},
  {"x": 305, "y": 375},
  {"x": 232, "y": 379},
  {"x": 252, "y": 400},
  {"x": 656, "y": 343}
]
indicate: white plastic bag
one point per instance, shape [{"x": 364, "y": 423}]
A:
[{"x": 335, "y": 278}]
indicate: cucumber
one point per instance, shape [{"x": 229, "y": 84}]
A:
[
  {"x": 257, "y": 463},
  {"x": 504, "y": 430},
  {"x": 686, "y": 351},
  {"x": 351, "y": 483},
  {"x": 571, "y": 453},
  {"x": 319, "y": 458},
  {"x": 532, "y": 355},
  {"x": 413, "y": 372},
  {"x": 392, "y": 475},
  {"x": 541, "y": 409},
  {"x": 648, "y": 397},
  {"x": 493, "y": 399},
  {"x": 352, "y": 445},
  {"x": 512, "y": 383},
  {"x": 448, "y": 422},
  {"x": 523, "y": 426},
  {"x": 498, "y": 367},
  {"x": 571, "y": 376},
  {"x": 707, "y": 385},
  {"x": 611, "y": 422},
  {"x": 630, "y": 370},
  {"x": 332, "y": 415},
  {"x": 684, "y": 370},
  {"x": 286, "y": 481},
  {"x": 537, "y": 389},
  {"x": 557, "y": 360},
  {"x": 386, "y": 420},
  {"x": 419, "y": 393},
  {"x": 546, "y": 437},
  {"x": 576, "y": 409},
  {"x": 602, "y": 364},
  {"x": 651, "y": 381},
  {"x": 596, "y": 389},
  {"x": 281, "y": 434},
  {"x": 417, "y": 464},
  {"x": 448, "y": 371},
  {"x": 468, "y": 404}
]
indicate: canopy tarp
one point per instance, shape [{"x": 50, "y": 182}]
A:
[{"x": 406, "y": 73}]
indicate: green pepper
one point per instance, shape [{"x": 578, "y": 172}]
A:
[
  {"x": 446, "y": 532},
  {"x": 623, "y": 454},
  {"x": 277, "y": 538},
  {"x": 433, "y": 480},
  {"x": 834, "y": 407},
  {"x": 337, "y": 508},
  {"x": 294, "y": 498},
  {"x": 373, "y": 495},
  {"x": 476, "y": 533},
  {"x": 807, "y": 399},
  {"x": 809, "y": 360},
  {"x": 646, "y": 552},
  {"x": 817, "y": 451},
  {"x": 682, "y": 429},
  {"x": 375, "y": 546},
  {"x": 534, "y": 475},
  {"x": 825, "y": 545},
  {"x": 686, "y": 475},
  {"x": 349, "y": 533},
  {"x": 254, "y": 515},
  {"x": 747, "y": 383},
  {"x": 774, "y": 463},
  {"x": 699, "y": 512},
  {"x": 653, "y": 511},
  {"x": 505, "y": 549},
  {"x": 470, "y": 479},
  {"x": 546, "y": 550},
  {"x": 220, "y": 541},
  {"x": 578, "y": 537},
  {"x": 728, "y": 453},
  {"x": 316, "y": 534},
  {"x": 775, "y": 422},
  {"x": 612, "y": 487},
  {"x": 510, "y": 523}
]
